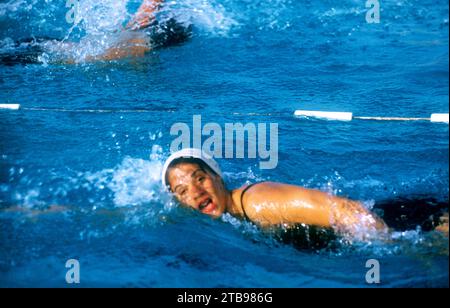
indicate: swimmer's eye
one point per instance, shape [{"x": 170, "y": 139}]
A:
[
  {"x": 181, "y": 192},
  {"x": 200, "y": 177}
]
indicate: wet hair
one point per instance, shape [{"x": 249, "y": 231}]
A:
[
  {"x": 190, "y": 160},
  {"x": 168, "y": 33}
]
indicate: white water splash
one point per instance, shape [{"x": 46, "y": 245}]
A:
[
  {"x": 208, "y": 16},
  {"x": 133, "y": 182},
  {"x": 100, "y": 17},
  {"x": 14, "y": 6}
]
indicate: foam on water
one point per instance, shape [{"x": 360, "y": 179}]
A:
[
  {"x": 12, "y": 7},
  {"x": 133, "y": 182},
  {"x": 210, "y": 17}
]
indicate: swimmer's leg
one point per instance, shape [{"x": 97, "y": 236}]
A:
[
  {"x": 28, "y": 56},
  {"x": 24, "y": 51},
  {"x": 403, "y": 214}
]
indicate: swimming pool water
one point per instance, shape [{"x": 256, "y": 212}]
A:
[{"x": 247, "y": 57}]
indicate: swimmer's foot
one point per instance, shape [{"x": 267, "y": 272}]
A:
[{"x": 443, "y": 224}]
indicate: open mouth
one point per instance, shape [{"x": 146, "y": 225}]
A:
[{"x": 207, "y": 206}]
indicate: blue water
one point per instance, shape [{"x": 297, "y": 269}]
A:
[{"x": 265, "y": 57}]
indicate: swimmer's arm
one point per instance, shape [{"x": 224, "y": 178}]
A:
[
  {"x": 34, "y": 212},
  {"x": 443, "y": 224},
  {"x": 274, "y": 204},
  {"x": 133, "y": 46},
  {"x": 144, "y": 15},
  {"x": 130, "y": 48}
]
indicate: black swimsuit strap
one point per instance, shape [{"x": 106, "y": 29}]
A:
[{"x": 242, "y": 197}]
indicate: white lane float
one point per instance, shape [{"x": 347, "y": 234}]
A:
[
  {"x": 348, "y": 116},
  {"x": 10, "y": 106}
]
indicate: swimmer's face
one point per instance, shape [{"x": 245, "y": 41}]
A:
[{"x": 198, "y": 188}]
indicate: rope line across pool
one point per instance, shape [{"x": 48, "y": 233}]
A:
[{"x": 326, "y": 115}]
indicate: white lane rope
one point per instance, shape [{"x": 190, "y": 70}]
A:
[
  {"x": 18, "y": 107},
  {"x": 168, "y": 110},
  {"x": 327, "y": 115},
  {"x": 348, "y": 116}
]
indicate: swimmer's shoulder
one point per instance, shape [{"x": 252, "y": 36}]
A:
[
  {"x": 248, "y": 191},
  {"x": 262, "y": 202},
  {"x": 250, "y": 199},
  {"x": 272, "y": 192}
]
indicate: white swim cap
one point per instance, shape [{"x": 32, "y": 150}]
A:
[{"x": 190, "y": 153}]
